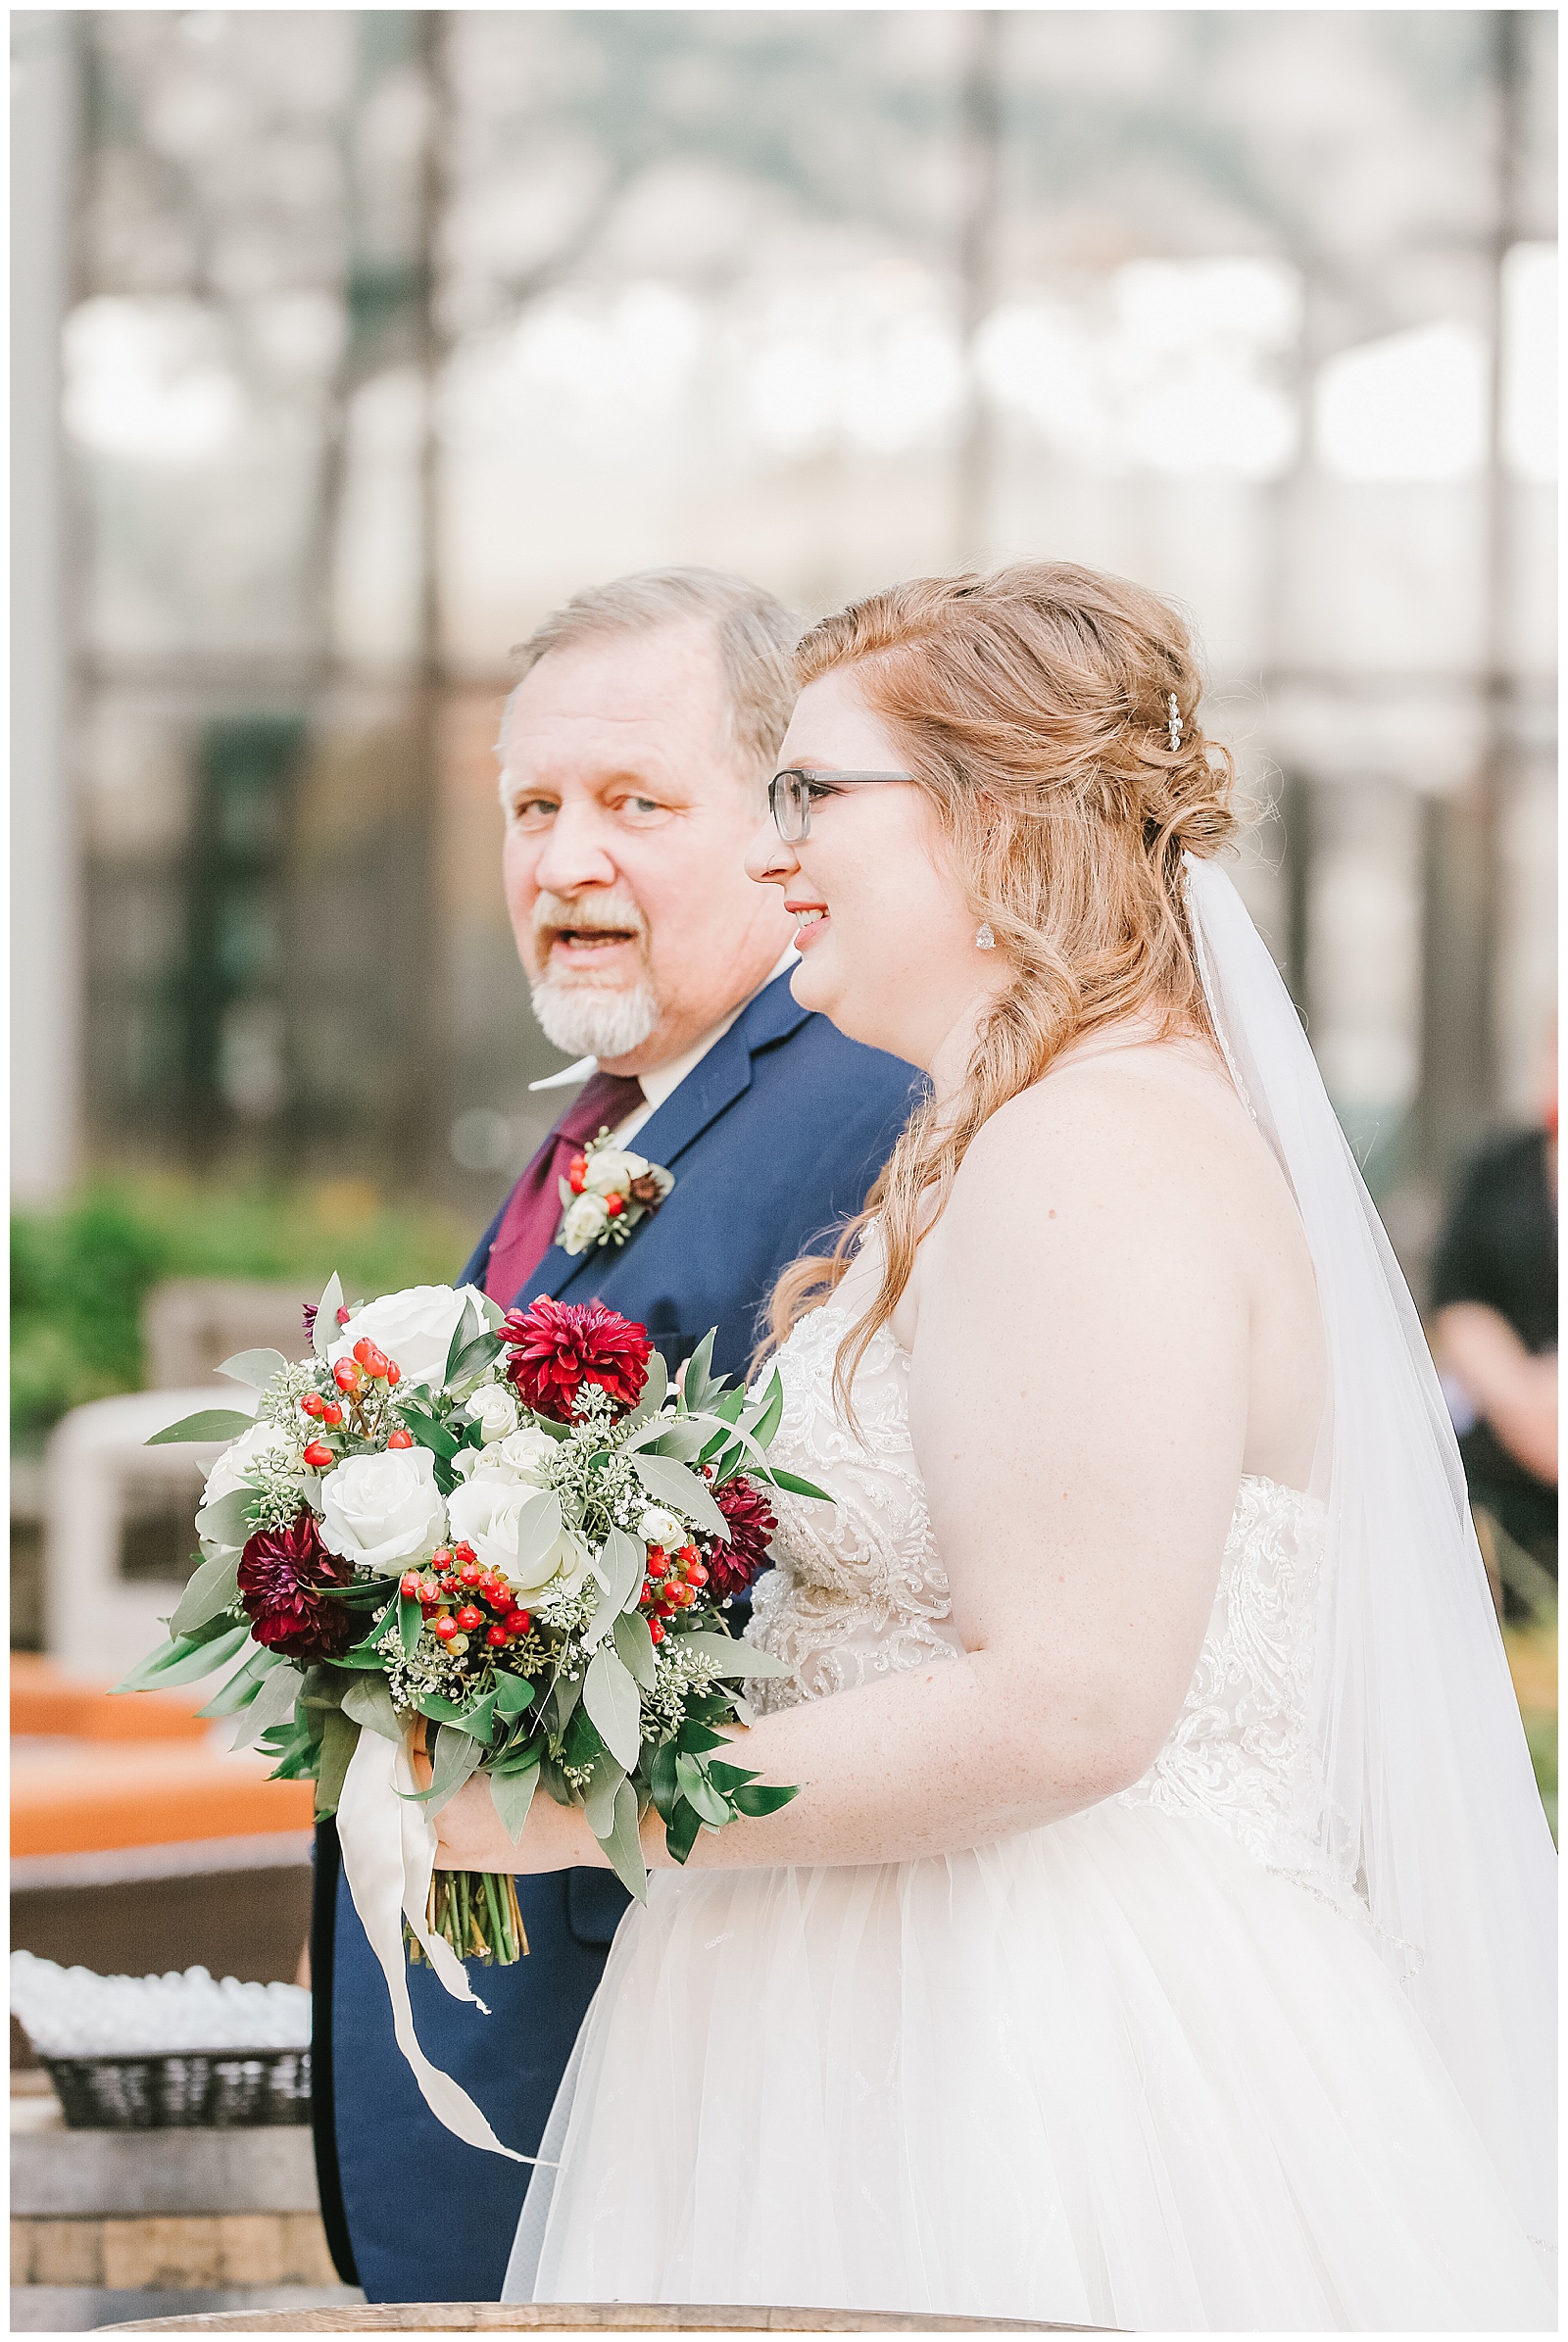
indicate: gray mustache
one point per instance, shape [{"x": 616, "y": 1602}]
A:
[{"x": 555, "y": 911}]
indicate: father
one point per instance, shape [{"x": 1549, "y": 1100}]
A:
[{"x": 635, "y": 754}]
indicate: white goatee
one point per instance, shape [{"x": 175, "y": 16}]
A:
[{"x": 590, "y": 1020}]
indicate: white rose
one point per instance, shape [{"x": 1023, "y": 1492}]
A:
[
  {"x": 488, "y": 1511},
  {"x": 495, "y": 1410},
  {"x": 659, "y": 1528},
  {"x": 383, "y": 1509},
  {"x": 585, "y": 1221},
  {"x": 230, "y": 1470},
  {"x": 414, "y": 1326},
  {"x": 612, "y": 1170},
  {"x": 524, "y": 1455}
]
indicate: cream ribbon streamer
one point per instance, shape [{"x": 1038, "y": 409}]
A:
[{"x": 388, "y": 1847}]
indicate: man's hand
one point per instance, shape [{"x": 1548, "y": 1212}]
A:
[{"x": 1516, "y": 1393}]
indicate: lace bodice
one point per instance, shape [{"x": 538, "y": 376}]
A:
[{"x": 859, "y": 1592}]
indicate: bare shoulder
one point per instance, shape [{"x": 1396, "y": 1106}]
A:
[{"x": 1157, "y": 1127}]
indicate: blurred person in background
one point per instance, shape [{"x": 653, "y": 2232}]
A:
[
  {"x": 1495, "y": 1328},
  {"x": 635, "y": 750}
]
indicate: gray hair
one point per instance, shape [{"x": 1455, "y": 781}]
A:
[{"x": 755, "y": 635}]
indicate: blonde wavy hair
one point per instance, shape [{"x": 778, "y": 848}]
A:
[{"x": 1033, "y": 709}]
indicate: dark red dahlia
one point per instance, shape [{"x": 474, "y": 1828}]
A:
[
  {"x": 752, "y": 1523},
  {"x": 281, "y": 1574},
  {"x": 556, "y": 1346}
]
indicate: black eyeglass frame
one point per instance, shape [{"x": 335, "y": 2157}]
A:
[{"x": 826, "y": 783}]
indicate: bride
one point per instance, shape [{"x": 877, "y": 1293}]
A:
[{"x": 1162, "y": 1936}]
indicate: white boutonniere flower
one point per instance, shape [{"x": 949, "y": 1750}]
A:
[{"x": 607, "y": 1190}]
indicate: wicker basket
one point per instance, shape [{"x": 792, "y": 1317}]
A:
[{"x": 187, "y": 2089}]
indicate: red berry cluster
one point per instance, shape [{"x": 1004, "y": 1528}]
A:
[
  {"x": 357, "y": 1379},
  {"x": 457, "y": 1598},
  {"x": 673, "y": 1582}
]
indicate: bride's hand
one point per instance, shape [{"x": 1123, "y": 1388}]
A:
[{"x": 469, "y": 1835}]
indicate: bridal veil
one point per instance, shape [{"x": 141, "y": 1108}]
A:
[{"x": 1421, "y": 1800}]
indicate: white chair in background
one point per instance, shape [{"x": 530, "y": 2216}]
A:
[{"x": 98, "y": 1478}]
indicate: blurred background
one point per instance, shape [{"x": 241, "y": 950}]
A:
[{"x": 347, "y": 343}]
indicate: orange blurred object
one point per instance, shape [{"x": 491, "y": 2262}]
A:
[
  {"x": 43, "y": 1701},
  {"x": 90, "y": 1774}
]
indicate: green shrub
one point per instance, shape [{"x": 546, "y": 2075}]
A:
[{"x": 78, "y": 1274}]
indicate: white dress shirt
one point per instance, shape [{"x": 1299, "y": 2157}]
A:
[{"x": 662, "y": 1081}]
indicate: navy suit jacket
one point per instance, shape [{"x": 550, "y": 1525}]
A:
[{"x": 773, "y": 1137}]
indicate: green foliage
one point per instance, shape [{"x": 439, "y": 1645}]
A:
[
  {"x": 1540, "y": 1730},
  {"x": 79, "y": 1275}
]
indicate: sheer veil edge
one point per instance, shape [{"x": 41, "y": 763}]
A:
[{"x": 1421, "y": 1801}]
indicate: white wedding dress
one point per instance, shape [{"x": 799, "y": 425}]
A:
[
  {"x": 1265, "y": 2042},
  {"x": 1143, "y": 2067}
]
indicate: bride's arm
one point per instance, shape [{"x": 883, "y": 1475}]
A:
[{"x": 1078, "y": 1406}]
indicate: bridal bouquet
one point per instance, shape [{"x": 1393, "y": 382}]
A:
[{"x": 507, "y": 1525}]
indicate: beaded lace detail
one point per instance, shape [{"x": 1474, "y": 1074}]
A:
[
  {"x": 860, "y": 1591},
  {"x": 1238, "y": 1751}
]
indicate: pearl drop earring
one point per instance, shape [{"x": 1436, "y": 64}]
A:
[{"x": 985, "y": 941}]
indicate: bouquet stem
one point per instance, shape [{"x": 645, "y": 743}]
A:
[{"x": 478, "y": 1915}]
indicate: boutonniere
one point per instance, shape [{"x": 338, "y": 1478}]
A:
[{"x": 605, "y": 1191}]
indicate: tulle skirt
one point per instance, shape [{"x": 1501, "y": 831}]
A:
[{"x": 1111, "y": 2072}]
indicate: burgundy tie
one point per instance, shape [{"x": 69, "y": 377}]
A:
[{"x": 533, "y": 1212}]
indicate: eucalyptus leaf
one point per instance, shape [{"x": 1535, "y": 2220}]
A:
[
  {"x": 565, "y": 1697},
  {"x": 226, "y": 1521},
  {"x": 411, "y": 1623},
  {"x": 654, "y": 1391},
  {"x": 479, "y": 1720},
  {"x": 340, "y": 1736},
  {"x": 623, "y": 1847},
  {"x": 539, "y": 1526},
  {"x": 728, "y": 1656},
  {"x": 457, "y": 1755},
  {"x": 683, "y": 1436},
  {"x": 635, "y": 1646},
  {"x": 512, "y": 1794},
  {"x": 602, "y": 1617},
  {"x": 624, "y": 1559},
  {"x": 610, "y": 1697},
  {"x": 187, "y": 1658},
  {"x": 370, "y": 1703},
  {"x": 210, "y": 1425},
  {"x": 598, "y": 1794},
  {"x": 211, "y": 1592},
  {"x": 243, "y": 1684},
  {"x": 254, "y": 1367},
  {"x": 274, "y": 1703},
  {"x": 670, "y": 1482},
  {"x": 514, "y": 1694},
  {"x": 324, "y": 1330}
]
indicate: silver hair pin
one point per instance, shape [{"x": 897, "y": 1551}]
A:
[
  {"x": 985, "y": 941},
  {"x": 1175, "y": 727}
]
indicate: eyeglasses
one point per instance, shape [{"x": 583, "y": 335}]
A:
[{"x": 790, "y": 795}]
